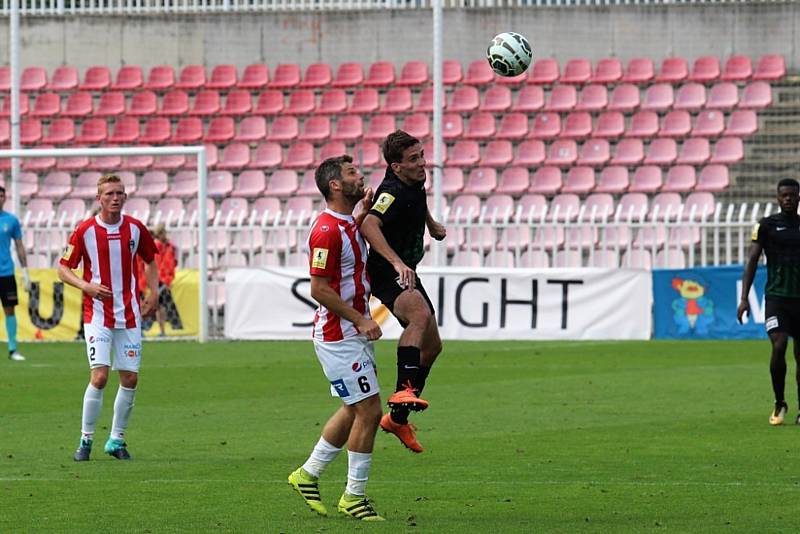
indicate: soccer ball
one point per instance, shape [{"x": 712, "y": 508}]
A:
[{"x": 509, "y": 54}]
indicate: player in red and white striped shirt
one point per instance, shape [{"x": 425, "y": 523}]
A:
[
  {"x": 107, "y": 245},
  {"x": 343, "y": 334}
]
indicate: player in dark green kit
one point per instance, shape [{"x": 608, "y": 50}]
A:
[
  {"x": 778, "y": 236},
  {"x": 394, "y": 228}
]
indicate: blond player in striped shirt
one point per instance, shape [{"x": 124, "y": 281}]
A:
[{"x": 107, "y": 245}]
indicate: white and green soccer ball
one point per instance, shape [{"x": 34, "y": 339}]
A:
[{"x": 509, "y": 54}]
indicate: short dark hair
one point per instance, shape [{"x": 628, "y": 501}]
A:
[
  {"x": 330, "y": 169},
  {"x": 395, "y": 144},
  {"x": 789, "y": 182},
  {"x": 2, "y": 189}
]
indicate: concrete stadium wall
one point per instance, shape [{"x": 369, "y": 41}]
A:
[{"x": 366, "y": 36}]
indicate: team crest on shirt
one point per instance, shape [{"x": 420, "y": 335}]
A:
[
  {"x": 384, "y": 201},
  {"x": 131, "y": 244},
  {"x": 320, "y": 258},
  {"x": 67, "y": 252},
  {"x": 324, "y": 228},
  {"x": 754, "y": 235}
]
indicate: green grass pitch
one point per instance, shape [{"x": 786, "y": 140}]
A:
[{"x": 520, "y": 437}]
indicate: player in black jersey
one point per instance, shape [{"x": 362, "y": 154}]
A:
[
  {"x": 394, "y": 228},
  {"x": 778, "y": 236}
]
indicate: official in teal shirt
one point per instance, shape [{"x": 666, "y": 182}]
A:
[{"x": 10, "y": 229}]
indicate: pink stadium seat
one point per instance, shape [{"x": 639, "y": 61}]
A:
[
  {"x": 86, "y": 185},
  {"x": 677, "y": 123},
  {"x": 723, "y": 95},
  {"x": 464, "y": 154},
  {"x": 170, "y": 162},
  {"x": 496, "y": 99},
  {"x": 139, "y": 163},
  {"x": 481, "y": 126},
  {"x": 562, "y": 98},
  {"x": 545, "y": 181},
  {"x": 579, "y": 180},
  {"x": 499, "y": 207},
  {"x": 672, "y": 258},
  {"x": 212, "y": 157},
  {"x": 418, "y": 125},
  {"x": 498, "y": 153},
  {"x": 756, "y": 95},
  {"x": 737, "y": 69},
  {"x": 349, "y": 128},
  {"x": 299, "y": 156},
  {"x": 364, "y": 101},
  {"x": 742, "y": 123},
  {"x": 129, "y": 78},
  {"x": 366, "y": 154},
  {"x": 425, "y": 102},
  {"x": 709, "y": 123},
  {"x": 72, "y": 164},
  {"x": 598, "y": 207},
  {"x": 659, "y": 97},
  {"x": 673, "y": 70},
  {"x": 331, "y": 149},
  {"x": 316, "y": 129},
  {"x": 662, "y": 151},
  {"x": 593, "y": 98},
  {"x": 220, "y": 130},
  {"x": 39, "y": 164},
  {"x": 633, "y": 206},
  {"x": 250, "y": 184},
  {"x": 680, "y": 179},
  {"x": 604, "y": 258},
  {"x": 222, "y": 77},
  {"x": 530, "y": 153},
  {"x": 500, "y": 258},
  {"x": 479, "y": 73},
  {"x": 254, "y": 77},
  {"x": 694, "y": 151},
  {"x": 610, "y": 125},
  {"x": 568, "y": 258},
  {"x": 93, "y": 132},
  {"x": 699, "y": 206},
  {"x": 189, "y": 130},
  {"x": 545, "y": 126},
  {"x": 269, "y": 206},
  {"x": 578, "y": 125},
  {"x": 39, "y": 210},
  {"x": 452, "y": 126},
  {"x": 465, "y": 208},
  {"x": 236, "y": 210},
  {"x": 613, "y": 180},
  {"x": 24, "y": 106},
  {"x": 533, "y": 206},
  {"x": 298, "y": 209},
  {"x": 113, "y": 105},
  {"x": 125, "y": 132},
  {"x": 220, "y": 183},
  {"x": 267, "y": 156},
  {"x": 153, "y": 185},
  {"x": 646, "y": 179},
  {"x": 576, "y": 71},
  {"x": 60, "y": 132},
  {"x": 317, "y": 76},
  {"x": 174, "y": 104},
  {"x": 628, "y": 153},
  {"x": 512, "y": 80},
  {"x": 64, "y": 79},
  {"x": 286, "y": 76},
  {"x": 529, "y": 99},
  {"x": 427, "y": 147},
  {"x": 170, "y": 209},
  {"x": 691, "y": 97},
  {"x": 545, "y": 71},
  {"x": 513, "y": 126},
  {"x": 397, "y": 100},
  {"x": 624, "y": 98},
  {"x": 380, "y": 74},
  {"x": 30, "y": 131},
  {"x": 269, "y": 103},
  {"x": 301, "y": 102},
  {"x": 192, "y": 211},
  {"x": 251, "y": 130},
  {"x": 5, "y": 134},
  {"x": 452, "y": 72},
  {"x": 379, "y": 127},
  {"x": 97, "y": 78},
  {"x": 713, "y": 178},
  {"x": 143, "y": 104},
  {"x": 643, "y": 124},
  {"x": 667, "y": 204},
  {"x": 414, "y": 73},
  {"x": 482, "y": 181},
  {"x": 79, "y": 105},
  {"x": 46, "y": 105},
  {"x": 192, "y": 78},
  {"x": 705, "y": 69},
  {"x": 349, "y": 75},
  {"x": 594, "y": 153},
  {"x": 467, "y": 258},
  {"x": 333, "y": 101},
  {"x": 284, "y": 129},
  {"x": 235, "y": 156},
  {"x": 514, "y": 181},
  {"x": 465, "y": 99},
  {"x": 452, "y": 180},
  {"x": 640, "y": 71},
  {"x": 564, "y": 207},
  {"x": 156, "y": 131},
  {"x": 562, "y": 153},
  {"x": 770, "y": 68},
  {"x": 238, "y": 102},
  {"x": 161, "y": 78},
  {"x": 607, "y": 71},
  {"x": 33, "y": 79},
  {"x": 29, "y": 185},
  {"x": 206, "y": 103},
  {"x": 282, "y": 183},
  {"x": 5, "y": 79}
]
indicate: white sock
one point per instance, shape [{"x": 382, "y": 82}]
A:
[
  {"x": 323, "y": 454},
  {"x": 123, "y": 405},
  {"x": 92, "y": 404},
  {"x": 358, "y": 464}
]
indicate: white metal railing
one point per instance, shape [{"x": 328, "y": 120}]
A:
[{"x": 154, "y": 7}]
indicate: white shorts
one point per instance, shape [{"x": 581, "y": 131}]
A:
[
  {"x": 126, "y": 342},
  {"x": 349, "y": 366}
]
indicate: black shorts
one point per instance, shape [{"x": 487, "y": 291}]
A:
[
  {"x": 386, "y": 288},
  {"x": 782, "y": 314},
  {"x": 8, "y": 291}
]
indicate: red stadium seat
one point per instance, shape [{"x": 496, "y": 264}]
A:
[
  {"x": 496, "y": 99},
  {"x": 5, "y": 79},
  {"x": 452, "y": 73},
  {"x": 46, "y": 105},
  {"x": 607, "y": 71},
  {"x": 349, "y": 128},
  {"x": 530, "y": 153},
  {"x": 677, "y": 123},
  {"x": 464, "y": 154},
  {"x": 628, "y": 153},
  {"x": 610, "y": 125},
  {"x": 301, "y": 102},
  {"x": 251, "y": 130},
  {"x": 33, "y": 79},
  {"x": 577, "y": 71},
  {"x": 397, "y": 100},
  {"x": 379, "y": 127},
  {"x": 545, "y": 126},
  {"x": 578, "y": 125},
  {"x": 380, "y": 74},
  {"x": 170, "y": 162},
  {"x": 174, "y": 104},
  {"x": 452, "y": 126},
  {"x": 24, "y": 106},
  {"x": 646, "y": 179},
  {"x": 238, "y": 102},
  {"x": 579, "y": 180},
  {"x": 770, "y": 68},
  {"x": 220, "y": 183},
  {"x": 206, "y": 103},
  {"x": 192, "y": 78},
  {"x": 691, "y": 97},
  {"x": 413, "y": 73},
  {"x": 254, "y": 77},
  {"x": 480, "y": 126},
  {"x": 29, "y": 186},
  {"x": 482, "y": 181},
  {"x": 64, "y": 79},
  {"x": 79, "y": 105},
  {"x": 317, "y": 76},
  {"x": 366, "y": 154},
  {"x": 60, "y": 132},
  {"x": 624, "y": 98},
  {"x": 129, "y": 78},
  {"x": 268, "y": 156},
  {"x": 513, "y": 126},
  {"x": 659, "y": 97},
  {"x": 512, "y": 80},
  {"x": 30, "y": 131},
  {"x": 39, "y": 164},
  {"x": 235, "y": 156},
  {"x": 220, "y": 130},
  {"x": 465, "y": 99},
  {"x": 662, "y": 151},
  {"x": 250, "y": 184},
  {"x": 452, "y": 180},
  {"x": 545, "y": 71},
  {"x": 286, "y": 76},
  {"x": 161, "y": 78},
  {"x": 593, "y": 98},
  {"x": 5, "y": 136},
  {"x": 212, "y": 157},
  {"x": 742, "y": 123},
  {"x": 308, "y": 185},
  {"x": 673, "y": 70},
  {"x": 724, "y": 95},
  {"x": 417, "y": 125},
  {"x": 713, "y": 178},
  {"x": 348, "y": 75},
  {"x": 709, "y": 123},
  {"x": 594, "y": 153},
  {"x": 498, "y": 153},
  {"x": 299, "y": 156},
  {"x": 143, "y": 104},
  {"x": 694, "y": 151},
  {"x": 189, "y": 130},
  {"x": 139, "y": 163},
  {"x": 680, "y": 179},
  {"x": 428, "y": 147},
  {"x": 112, "y": 105},
  {"x": 562, "y": 153},
  {"x": 364, "y": 101},
  {"x": 529, "y": 99},
  {"x": 640, "y": 70},
  {"x": 514, "y": 181},
  {"x": 562, "y": 98},
  {"x": 425, "y": 102},
  {"x": 332, "y": 102},
  {"x": 643, "y": 124},
  {"x": 756, "y": 95},
  {"x": 269, "y": 103},
  {"x": 331, "y": 149},
  {"x": 705, "y": 69},
  {"x": 93, "y": 132},
  {"x": 737, "y": 69},
  {"x": 282, "y": 183},
  {"x": 316, "y": 129},
  {"x": 479, "y": 73},
  {"x": 223, "y": 77},
  {"x": 613, "y": 180}
]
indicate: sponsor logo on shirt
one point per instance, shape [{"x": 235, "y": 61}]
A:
[
  {"x": 68, "y": 252},
  {"x": 340, "y": 388},
  {"x": 384, "y": 201},
  {"x": 754, "y": 235},
  {"x": 358, "y": 366},
  {"x": 319, "y": 258},
  {"x": 131, "y": 244}
]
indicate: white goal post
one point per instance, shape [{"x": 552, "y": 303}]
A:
[{"x": 202, "y": 177}]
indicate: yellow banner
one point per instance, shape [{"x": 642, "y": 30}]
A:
[{"x": 54, "y": 310}]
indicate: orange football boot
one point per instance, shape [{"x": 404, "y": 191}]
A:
[
  {"x": 407, "y": 398},
  {"x": 405, "y": 433}
]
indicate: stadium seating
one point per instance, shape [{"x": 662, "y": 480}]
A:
[
  {"x": 348, "y": 75},
  {"x": 46, "y": 105},
  {"x": 79, "y": 105},
  {"x": 640, "y": 71},
  {"x": 143, "y": 104},
  {"x": 254, "y": 77},
  {"x": 251, "y": 130},
  {"x": 129, "y": 78},
  {"x": 223, "y": 77},
  {"x": 380, "y": 74},
  {"x": 192, "y": 78},
  {"x": 64, "y": 79},
  {"x": 268, "y": 155},
  {"x": 161, "y": 78},
  {"x": 269, "y": 103},
  {"x": 607, "y": 71}
]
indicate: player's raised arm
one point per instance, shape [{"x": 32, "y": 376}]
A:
[
  {"x": 322, "y": 292},
  {"x": 371, "y": 230}
]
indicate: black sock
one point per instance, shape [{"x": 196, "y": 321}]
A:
[
  {"x": 407, "y": 366},
  {"x": 777, "y": 369},
  {"x": 419, "y": 380}
]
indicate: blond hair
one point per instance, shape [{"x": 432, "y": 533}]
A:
[{"x": 108, "y": 179}]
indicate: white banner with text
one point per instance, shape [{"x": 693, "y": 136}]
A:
[{"x": 584, "y": 303}]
